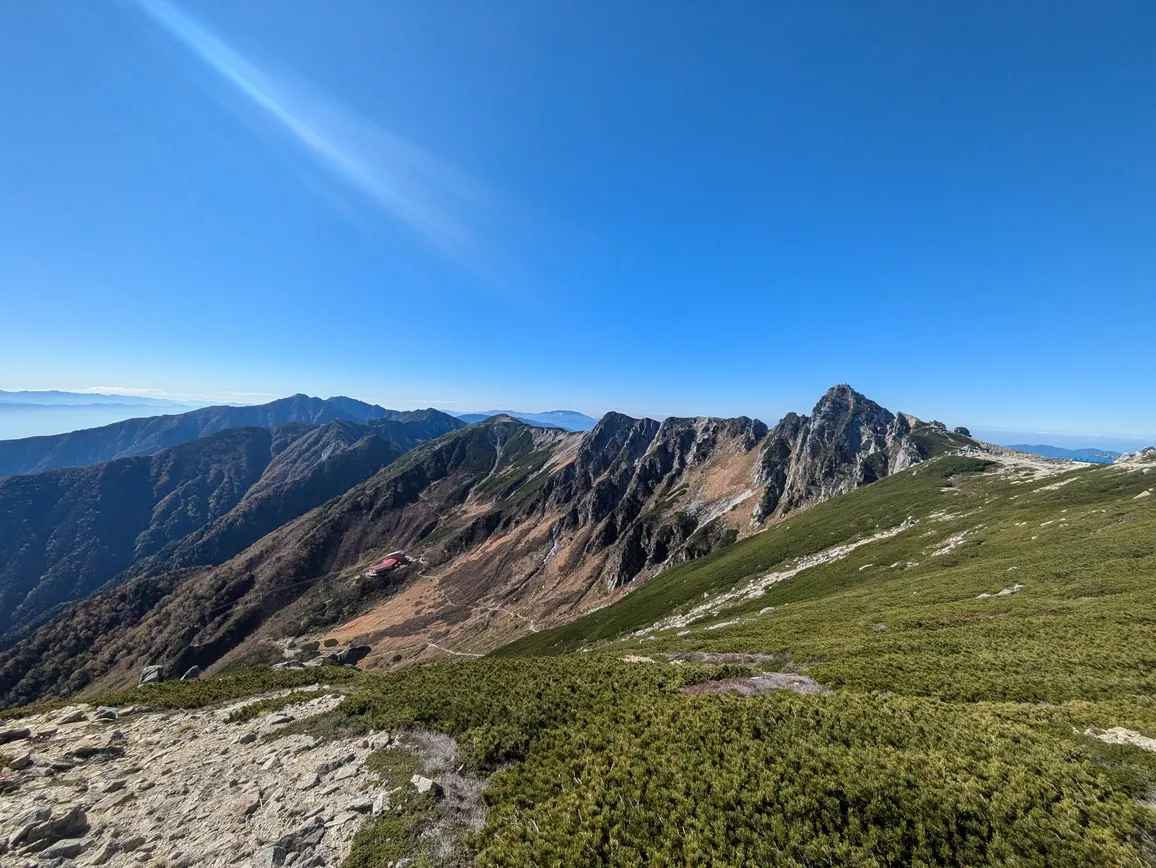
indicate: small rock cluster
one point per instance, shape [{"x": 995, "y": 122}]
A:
[
  {"x": 130, "y": 786},
  {"x": 345, "y": 657}
]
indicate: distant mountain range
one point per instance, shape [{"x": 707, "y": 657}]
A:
[
  {"x": 56, "y": 398},
  {"x": 145, "y": 436},
  {"x": 1096, "y": 456},
  {"x": 32, "y": 414},
  {"x": 568, "y": 420}
]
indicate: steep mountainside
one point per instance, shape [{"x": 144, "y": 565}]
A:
[
  {"x": 149, "y": 435},
  {"x": 68, "y": 532},
  {"x": 512, "y": 528}
]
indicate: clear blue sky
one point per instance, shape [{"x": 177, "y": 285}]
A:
[{"x": 661, "y": 208}]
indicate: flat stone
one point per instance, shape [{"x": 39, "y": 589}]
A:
[
  {"x": 103, "y": 712},
  {"x": 307, "y": 781},
  {"x": 67, "y": 849},
  {"x": 277, "y": 718},
  {"x": 10, "y": 735},
  {"x": 271, "y": 764},
  {"x": 247, "y": 738},
  {"x": 21, "y": 762},
  {"x": 346, "y": 772},
  {"x": 70, "y": 715}
]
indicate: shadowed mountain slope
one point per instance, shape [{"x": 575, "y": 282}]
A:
[{"x": 68, "y": 532}]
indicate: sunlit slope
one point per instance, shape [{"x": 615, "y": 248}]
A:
[{"x": 903, "y": 611}]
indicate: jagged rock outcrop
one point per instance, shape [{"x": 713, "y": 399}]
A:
[{"x": 847, "y": 441}]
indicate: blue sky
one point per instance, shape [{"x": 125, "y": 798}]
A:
[{"x": 671, "y": 208}]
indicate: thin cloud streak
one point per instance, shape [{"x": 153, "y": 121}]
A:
[{"x": 422, "y": 192}]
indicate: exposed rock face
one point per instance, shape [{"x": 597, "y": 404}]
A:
[
  {"x": 624, "y": 467},
  {"x": 847, "y": 441}
]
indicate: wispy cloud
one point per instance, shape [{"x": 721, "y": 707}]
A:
[
  {"x": 127, "y": 390},
  {"x": 419, "y": 190},
  {"x": 148, "y": 392}
]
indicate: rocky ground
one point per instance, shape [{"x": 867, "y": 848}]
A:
[{"x": 130, "y": 786}]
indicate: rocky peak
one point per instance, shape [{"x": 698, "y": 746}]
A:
[{"x": 847, "y": 441}]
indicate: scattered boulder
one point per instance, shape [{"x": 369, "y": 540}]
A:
[
  {"x": 270, "y": 857},
  {"x": 67, "y": 849},
  {"x": 103, "y": 712},
  {"x": 316, "y": 661},
  {"x": 350, "y": 656},
  {"x": 70, "y": 715},
  {"x": 424, "y": 785},
  {"x": 332, "y": 765},
  {"x": 43, "y": 833},
  {"x": 8, "y": 735},
  {"x": 961, "y": 430},
  {"x": 110, "y": 849},
  {"x": 151, "y": 674},
  {"x": 21, "y": 762},
  {"x": 303, "y": 837}
]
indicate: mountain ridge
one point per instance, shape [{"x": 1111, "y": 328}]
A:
[{"x": 512, "y": 526}]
